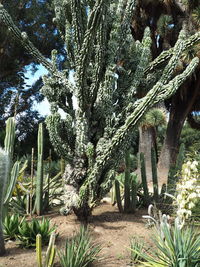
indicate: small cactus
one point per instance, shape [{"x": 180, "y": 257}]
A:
[
  {"x": 39, "y": 181},
  {"x": 50, "y": 253}
]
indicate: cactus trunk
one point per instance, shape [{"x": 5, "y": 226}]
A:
[
  {"x": 127, "y": 182},
  {"x": 144, "y": 180},
  {"x": 133, "y": 196},
  {"x": 118, "y": 196},
  {"x": 154, "y": 174},
  {"x": 4, "y": 162},
  {"x": 39, "y": 181}
]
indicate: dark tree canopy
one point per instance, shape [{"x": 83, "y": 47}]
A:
[{"x": 35, "y": 18}]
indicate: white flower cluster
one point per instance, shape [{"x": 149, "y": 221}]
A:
[{"x": 188, "y": 190}]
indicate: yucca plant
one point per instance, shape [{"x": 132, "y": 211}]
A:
[
  {"x": 174, "y": 247},
  {"x": 29, "y": 230},
  {"x": 79, "y": 251},
  {"x": 136, "y": 245},
  {"x": 11, "y": 226}
]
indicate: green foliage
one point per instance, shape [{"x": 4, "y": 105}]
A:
[
  {"x": 29, "y": 230},
  {"x": 79, "y": 251},
  {"x": 136, "y": 245},
  {"x": 11, "y": 226},
  {"x": 190, "y": 138},
  {"x": 18, "y": 204},
  {"x": 173, "y": 247}
]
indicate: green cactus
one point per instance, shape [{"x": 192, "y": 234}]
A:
[
  {"x": 133, "y": 194},
  {"x": 39, "y": 179},
  {"x": 154, "y": 174},
  {"x": 127, "y": 183},
  {"x": 4, "y": 163},
  {"x": 110, "y": 69},
  {"x": 174, "y": 170},
  {"x": 50, "y": 253},
  {"x": 118, "y": 196},
  {"x": 144, "y": 180},
  {"x": 13, "y": 171}
]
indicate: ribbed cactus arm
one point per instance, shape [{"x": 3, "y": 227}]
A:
[
  {"x": 169, "y": 89},
  {"x": 4, "y": 172},
  {"x": 178, "y": 49},
  {"x": 79, "y": 22},
  {"x": 144, "y": 61},
  {"x": 10, "y": 137},
  {"x": 54, "y": 126},
  {"x": 85, "y": 54},
  {"x": 22, "y": 37},
  {"x": 166, "y": 55},
  {"x": 100, "y": 60}
]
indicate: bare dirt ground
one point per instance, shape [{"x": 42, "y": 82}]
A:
[{"x": 108, "y": 227}]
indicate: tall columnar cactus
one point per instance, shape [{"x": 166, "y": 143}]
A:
[
  {"x": 175, "y": 169},
  {"x": 39, "y": 178},
  {"x": 4, "y": 163},
  {"x": 144, "y": 180},
  {"x": 154, "y": 174},
  {"x": 127, "y": 183},
  {"x": 13, "y": 169},
  {"x": 110, "y": 68}
]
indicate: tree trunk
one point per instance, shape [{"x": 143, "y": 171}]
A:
[
  {"x": 181, "y": 106},
  {"x": 147, "y": 140}
]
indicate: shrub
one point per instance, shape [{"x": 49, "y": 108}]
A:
[
  {"x": 188, "y": 190},
  {"x": 80, "y": 251}
]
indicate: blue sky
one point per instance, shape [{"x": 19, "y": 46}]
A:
[{"x": 43, "y": 107}]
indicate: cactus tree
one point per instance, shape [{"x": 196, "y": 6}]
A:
[{"x": 109, "y": 67}]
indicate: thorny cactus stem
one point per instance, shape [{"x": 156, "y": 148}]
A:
[{"x": 4, "y": 164}]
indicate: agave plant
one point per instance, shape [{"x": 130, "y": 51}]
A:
[
  {"x": 80, "y": 251},
  {"x": 11, "y": 226},
  {"x": 175, "y": 247},
  {"x": 29, "y": 230}
]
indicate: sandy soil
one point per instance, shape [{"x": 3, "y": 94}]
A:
[{"x": 108, "y": 227}]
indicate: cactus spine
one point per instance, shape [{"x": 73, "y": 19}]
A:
[
  {"x": 154, "y": 174},
  {"x": 144, "y": 179},
  {"x": 39, "y": 181}
]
